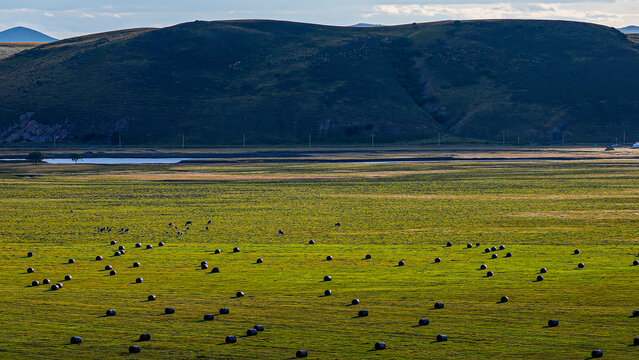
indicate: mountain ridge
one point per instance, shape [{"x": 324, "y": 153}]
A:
[{"x": 21, "y": 34}]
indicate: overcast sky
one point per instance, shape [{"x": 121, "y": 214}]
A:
[{"x": 66, "y": 18}]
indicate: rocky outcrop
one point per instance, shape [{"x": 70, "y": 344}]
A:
[{"x": 27, "y": 129}]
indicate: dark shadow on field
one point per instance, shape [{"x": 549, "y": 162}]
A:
[{"x": 546, "y": 327}]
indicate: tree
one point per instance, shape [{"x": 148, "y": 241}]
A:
[
  {"x": 35, "y": 157},
  {"x": 76, "y": 157}
]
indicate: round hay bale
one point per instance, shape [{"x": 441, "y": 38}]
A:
[
  {"x": 231, "y": 339},
  {"x": 495, "y": 256},
  {"x": 217, "y": 251},
  {"x": 138, "y": 245},
  {"x": 301, "y": 354},
  {"x": 581, "y": 265},
  {"x": 35, "y": 283},
  {"x": 145, "y": 337},
  {"x": 380, "y": 346},
  {"x": 161, "y": 243},
  {"x": 55, "y": 287},
  {"x": 595, "y": 354},
  {"x": 635, "y": 313},
  {"x": 108, "y": 267},
  {"x": 236, "y": 249},
  {"x": 134, "y": 349},
  {"x": 311, "y": 242},
  {"x": 477, "y": 244},
  {"x": 490, "y": 274},
  {"x": 553, "y": 323},
  {"x": 401, "y": 263},
  {"x": 540, "y": 278},
  {"x": 209, "y": 317},
  {"x": 543, "y": 270},
  {"x": 30, "y": 270},
  {"x": 635, "y": 263},
  {"x": 151, "y": 298},
  {"x": 576, "y": 252},
  {"x": 169, "y": 310},
  {"x": 239, "y": 294},
  {"x": 60, "y": 285},
  {"x": 505, "y": 299},
  {"x": 111, "y": 312},
  {"x": 113, "y": 272},
  {"x": 483, "y": 267},
  {"x": 113, "y": 242},
  {"x": 225, "y": 311},
  {"x": 259, "y": 261},
  {"x": 449, "y": 244},
  {"x": 71, "y": 261},
  {"x": 424, "y": 322},
  {"x": 329, "y": 258},
  {"x": 251, "y": 332},
  {"x": 494, "y": 248},
  {"x": 139, "y": 280},
  {"x": 439, "y": 305},
  {"x": 259, "y": 327},
  {"x": 502, "y": 247},
  {"x": 76, "y": 340},
  {"x": 215, "y": 270},
  {"x": 98, "y": 258},
  {"x": 29, "y": 254},
  {"x": 442, "y": 337},
  {"x": 469, "y": 246},
  {"x": 117, "y": 253},
  {"x": 136, "y": 264},
  {"x": 122, "y": 252},
  {"x": 328, "y": 293},
  {"x": 368, "y": 257},
  {"x": 67, "y": 277},
  {"x": 204, "y": 266},
  {"x": 362, "y": 313},
  {"x": 204, "y": 262},
  {"x": 355, "y": 302},
  {"x": 509, "y": 254},
  {"x": 149, "y": 246},
  {"x": 121, "y": 247},
  {"x": 46, "y": 281},
  {"x": 328, "y": 278},
  {"x": 636, "y": 341},
  {"x": 487, "y": 250},
  {"x": 438, "y": 260}
]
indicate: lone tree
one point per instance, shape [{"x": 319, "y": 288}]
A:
[
  {"x": 76, "y": 157},
  {"x": 35, "y": 157}
]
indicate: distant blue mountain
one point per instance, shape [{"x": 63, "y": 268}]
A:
[
  {"x": 366, "y": 25},
  {"x": 23, "y": 34},
  {"x": 630, "y": 30}
]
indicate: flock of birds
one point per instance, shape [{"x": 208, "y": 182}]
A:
[{"x": 597, "y": 353}]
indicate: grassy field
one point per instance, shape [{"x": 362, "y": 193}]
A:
[{"x": 540, "y": 211}]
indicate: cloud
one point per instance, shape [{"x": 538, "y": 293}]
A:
[
  {"x": 48, "y": 14},
  {"x": 86, "y": 15}
]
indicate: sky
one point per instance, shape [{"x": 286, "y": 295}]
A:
[{"x": 68, "y": 18}]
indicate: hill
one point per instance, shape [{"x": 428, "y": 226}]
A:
[
  {"x": 8, "y": 49},
  {"x": 276, "y": 82},
  {"x": 22, "y": 34},
  {"x": 630, "y": 30}
]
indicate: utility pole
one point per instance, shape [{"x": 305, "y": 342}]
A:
[
  {"x": 309, "y": 140},
  {"x": 372, "y": 140},
  {"x": 244, "y": 141}
]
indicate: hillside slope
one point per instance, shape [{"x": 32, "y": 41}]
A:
[
  {"x": 22, "y": 34},
  {"x": 277, "y": 82}
]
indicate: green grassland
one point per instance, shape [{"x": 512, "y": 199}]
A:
[{"x": 541, "y": 211}]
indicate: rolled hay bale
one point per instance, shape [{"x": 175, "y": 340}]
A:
[
  {"x": 35, "y": 283},
  {"x": 483, "y": 267},
  {"x": 595, "y": 354},
  {"x": 505, "y": 299},
  {"x": 117, "y": 253},
  {"x": 149, "y": 246},
  {"x": 540, "y": 278},
  {"x": 328, "y": 278},
  {"x": 113, "y": 272},
  {"x": 553, "y": 323},
  {"x": 423, "y": 322},
  {"x": 495, "y": 256},
  {"x": 490, "y": 274},
  {"x": 494, "y": 248},
  {"x": 251, "y": 332},
  {"x": 581, "y": 265},
  {"x": 368, "y": 257},
  {"x": 259, "y": 327},
  {"x": 138, "y": 245},
  {"x": 108, "y": 267},
  {"x": 98, "y": 258},
  {"x": 502, "y": 247},
  {"x": 636, "y": 341},
  {"x": 329, "y": 258},
  {"x": 259, "y": 261},
  {"x": 239, "y": 294},
  {"x": 438, "y": 260},
  {"x": 204, "y": 266},
  {"x": 139, "y": 280},
  {"x": 509, "y": 254},
  {"x": 635, "y": 313},
  {"x": 362, "y": 313},
  {"x": 209, "y": 317},
  {"x": 439, "y": 305},
  {"x": 67, "y": 277},
  {"x": 60, "y": 285},
  {"x": 469, "y": 246},
  {"x": 71, "y": 261},
  {"x": 543, "y": 270},
  {"x": 46, "y": 281},
  {"x": 355, "y": 302},
  {"x": 111, "y": 312},
  {"x": 136, "y": 264},
  {"x": 145, "y": 337},
  {"x": 236, "y": 249},
  {"x": 477, "y": 244},
  {"x": 215, "y": 270},
  {"x": 449, "y": 244},
  {"x": 487, "y": 250},
  {"x": 380, "y": 346},
  {"x": 301, "y": 354},
  {"x": 76, "y": 340},
  {"x": 328, "y": 293},
  {"x": 122, "y": 252},
  {"x": 635, "y": 263},
  {"x": 151, "y": 298},
  {"x": 225, "y": 311},
  {"x": 54, "y": 287},
  {"x": 311, "y": 242},
  {"x": 576, "y": 252},
  {"x": 401, "y": 263},
  {"x": 231, "y": 339},
  {"x": 169, "y": 310},
  {"x": 30, "y": 270},
  {"x": 161, "y": 243},
  {"x": 113, "y": 242},
  {"x": 29, "y": 254},
  {"x": 121, "y": 247},
  {"x": 134, "y": 349},
  {"x": 442, "y": 337},
  {"x": 217, "y": 251}
]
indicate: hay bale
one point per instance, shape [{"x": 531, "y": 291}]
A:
[
  {"x": 595, "y": 354},
  {"x": 136, "y": 264},
  {"x": 149, "y": 246},
  {"x": 35, "y": 283},
  {"x": 576, "y": 252},
  {"x": 362, "y": 313},
  {"x": 368, "y": 257},
  {"x": 502, "y": 247},
  {"x": 477, "y": 244},
  {"x": 145, "y": 337},
  {"x": 76, "y": 340},
  {"x": 251, "y": 332},
  {"x": 505, "y": 299},
  {"x": 117, "y": 253},
  {"x": 540, "y": 278},
  {"x": 122, "y": 252},
  {"x": 225, "y": 311},
  {"x": 169, "y": 310},
  {"x": 380, "y": 346},
  {"x": 113, "y": 272},
  {"x": 204, "y": 266},
  {"x": 301, "y": 354},
  {"x": 231, "y": 339},
  {"x": 71, "y": 261},
  {"x": 311, "y": 242},
  {"x": 509, "y": 254},
  {"x": 215, "y": 270},
  {"x": 401, "y": 263},
  {"x": 355, "y": 302},
  {"x": 635, "y": 263},
  {"x": 113, "y": 242},
  {"x": 423, "y": 322},
  {"x": 121, "y": 247},
  {"x": 236, "y": 249},
  {"x": 469, "y": 246},
  {"x": 60, "y": 285},
  {"x": 139, "y": 280},
  {"x": 636, "y": 341},
  {"x": 111, "y": 312},
  {"x": 217, "y": 251},
  {"x": 67, "y": 277},
  {"x": 108, "y": 267},
  {"x": 30, "y": 270},
  {"x": 490, "y": 274},
  {"x": 259, "y": 261},
  {"x": 553, "y": 323},
  {"x": 46, "y": 281},
  {"x": 151, "y": 298},
  {"x": 494, "y": 248},
  {"x": 442, "y": 337},
  {"x": 495, "y": 256},
  {"x": 487, "y": 250},
  {"x": 635, "y": 313},
  {"x": 581, "y": 265},
  {"x": 134, "y": 349},
  {"x": 439, "y": 305},
  {"x": 209, "y": 317},
  {"x": 54, "y": 287},
  {"x": 328, "y": 278},
  {"x": 329, "y": 258},
  {"x": 29, "y": 254},
  {"x": 543, "y": 270},
  {"x": 138, "y": 245},
  {"x": 328, "y": 293},
  {"x": 438, "y": 260},
  {"x": 449, "y": 244},
  {"x": 161, "y": 243},
  {"x": 259, "y": 327},
  {"x": 483, "y": 267},
  {"x": 98, "y": 258},
  {"x": 239, "y": 294}
]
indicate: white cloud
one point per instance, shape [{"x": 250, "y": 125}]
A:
[
  {"x": 48, "y": 14},
  {"x": 86, "y": 15}
]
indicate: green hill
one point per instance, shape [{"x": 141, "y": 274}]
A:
[{"x": 277, "y": 82}]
